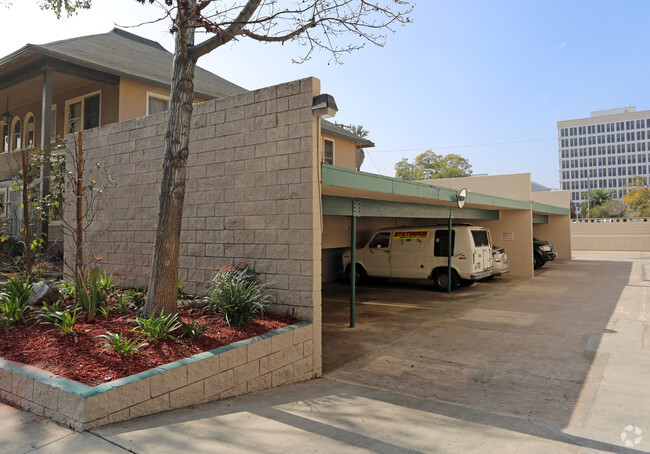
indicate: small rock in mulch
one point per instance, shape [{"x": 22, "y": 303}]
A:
[{"x": 43, "y": 292}]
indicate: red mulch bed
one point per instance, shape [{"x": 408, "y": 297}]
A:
[{"x": 86, "y": 360}]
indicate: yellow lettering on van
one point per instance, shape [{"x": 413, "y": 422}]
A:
[{"x": 412, "y": 235}]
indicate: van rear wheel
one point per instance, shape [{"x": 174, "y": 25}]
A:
[{"x": 440, "y": 279}]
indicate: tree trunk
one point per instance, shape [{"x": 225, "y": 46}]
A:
[{"x": 161, "y": 297}]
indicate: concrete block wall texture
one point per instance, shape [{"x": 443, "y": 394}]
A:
[
  {"x": 631, "y": 234},
  {"x": 273, "y": 359},
  {"x": 252, "y": 196}
]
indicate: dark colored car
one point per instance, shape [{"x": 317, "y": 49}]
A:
[{"x": 543, "y": 252}]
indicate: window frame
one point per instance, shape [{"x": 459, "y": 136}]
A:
[
  {"x": 4, "y": 125},
  {"x": 80, "y": 99},
  {"x": 153, "y": 95},
  {"x": 325, "y": 151},
  {"x": 29, "y": 116},
  {"x": 12, "y": 134}
]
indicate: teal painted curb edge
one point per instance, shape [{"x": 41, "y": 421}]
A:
[{"x": 81, "y": 390}]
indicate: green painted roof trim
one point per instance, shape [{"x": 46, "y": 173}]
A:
[
  {"x": 549, "y": 209},
  {"x": 342, "y": 206},
  {"x": 352, "y": 179}
]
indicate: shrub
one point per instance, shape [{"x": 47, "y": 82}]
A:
[
  {"x": 194, "y": 328},
  {"x": 106, "y": 285},
  {"x": 158, "y": 326},
  {"x": 13, "y": 301},
  {"x": 180, "y": 291},
  {"x": 89, "y": 292},
  {"x": 131, "y": 298},
  {"x": 121, "y": 344},
  {"x": 58, "y": 316},
  {"x": 66, "y": 289},
  {"x": 238, "y": 295}
]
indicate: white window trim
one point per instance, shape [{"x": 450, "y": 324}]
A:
[
  {"x": 66, "y": 123},
  {"x": 27, "y": 117},
  {"x": 12, "y": 134},
  {"x": 2, "y": 125},
  {"x": 333, "y": 150},
  {"x": 155, "y": 96}
]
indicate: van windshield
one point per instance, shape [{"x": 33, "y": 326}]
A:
[{"x": 480, "y": 238}]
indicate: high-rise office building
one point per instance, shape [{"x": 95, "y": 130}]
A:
[{"x": 604, "y": 151}]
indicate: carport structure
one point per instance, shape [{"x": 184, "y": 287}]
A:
[{"x": 502, "y": 203}]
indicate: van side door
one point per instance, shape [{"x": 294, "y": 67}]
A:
[
  {"x": 411, "y": 253},
  {"x": 377, "y": 255}
]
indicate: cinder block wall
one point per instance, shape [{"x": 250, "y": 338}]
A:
[
  {"x": 611, "y": 234},
  {"x": 252, "y": 195}
]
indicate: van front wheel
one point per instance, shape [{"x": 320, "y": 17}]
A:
[
  {"x": 359, "y": 277},
  {"x": 440, "y": 280}
]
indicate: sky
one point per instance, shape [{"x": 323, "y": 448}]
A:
[{"x": 486, "y": 80}]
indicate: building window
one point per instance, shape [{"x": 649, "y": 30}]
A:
[
  {"x": 156, "y": 103},
  {"x": 4, "y": 144},
  {"x": 16, "y": 131},
  {"x": 329, "y": 152},
  {"x": 83, "y": 113},
  {"x": 29, "y": 129}
]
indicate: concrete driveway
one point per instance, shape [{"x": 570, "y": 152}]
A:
[{"x": 565, "y": 350}]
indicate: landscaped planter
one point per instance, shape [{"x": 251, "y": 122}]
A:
[{"x": 272, "y": 359}]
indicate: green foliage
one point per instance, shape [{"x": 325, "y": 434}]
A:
[
  {"x": 593, "y": 199},
  {"x": 157, "y": 327},
  {"x": 58, "y": 316},
  {"x": 121, "y": 344},
  {"x": 106, "y": 286},
  {"x": 89, "y": 292},
  {"x": 131, "y": 298},
  {"x": 180, "y": 291},
  {"x": 13, "y": 302},
  {"x": 238, "y": 295},
  {"x": 105, "y": 310},
  {"x": 430, "y": 165},
  {"x": 194, "y": 328},
  {"x": 69, "y": 7},
  {"x": 66, "y": 289},
  {"x": 638, "y": 199}
]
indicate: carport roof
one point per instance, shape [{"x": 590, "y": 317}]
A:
[{"x": 347, "y": 183}]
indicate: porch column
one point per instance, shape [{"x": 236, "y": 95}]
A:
[{"x": 46, "y": 134}]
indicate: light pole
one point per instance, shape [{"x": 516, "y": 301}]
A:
[{"x": 588, "y": 194}]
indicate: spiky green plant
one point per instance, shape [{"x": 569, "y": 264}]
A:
[
  {"x": 89, "y": 292},
  {"x": 157, "y": 327},
  {"x": 238, "y": 295},
  {"x": 122, "y": 344}
]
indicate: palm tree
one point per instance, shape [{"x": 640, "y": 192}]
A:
[{"x": 595, "y": 198}]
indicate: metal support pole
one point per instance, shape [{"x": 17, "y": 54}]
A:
[
  {"x": 451, "y": 213},
  {"x": 353, "y": 266}
]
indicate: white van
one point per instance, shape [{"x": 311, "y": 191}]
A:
[{"x": 421, "y": 252}]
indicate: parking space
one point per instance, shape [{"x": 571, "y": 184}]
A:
[{"x": 520, "y": 347}]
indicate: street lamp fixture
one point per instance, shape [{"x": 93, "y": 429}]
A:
[{"x": 7, "y": 117}]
